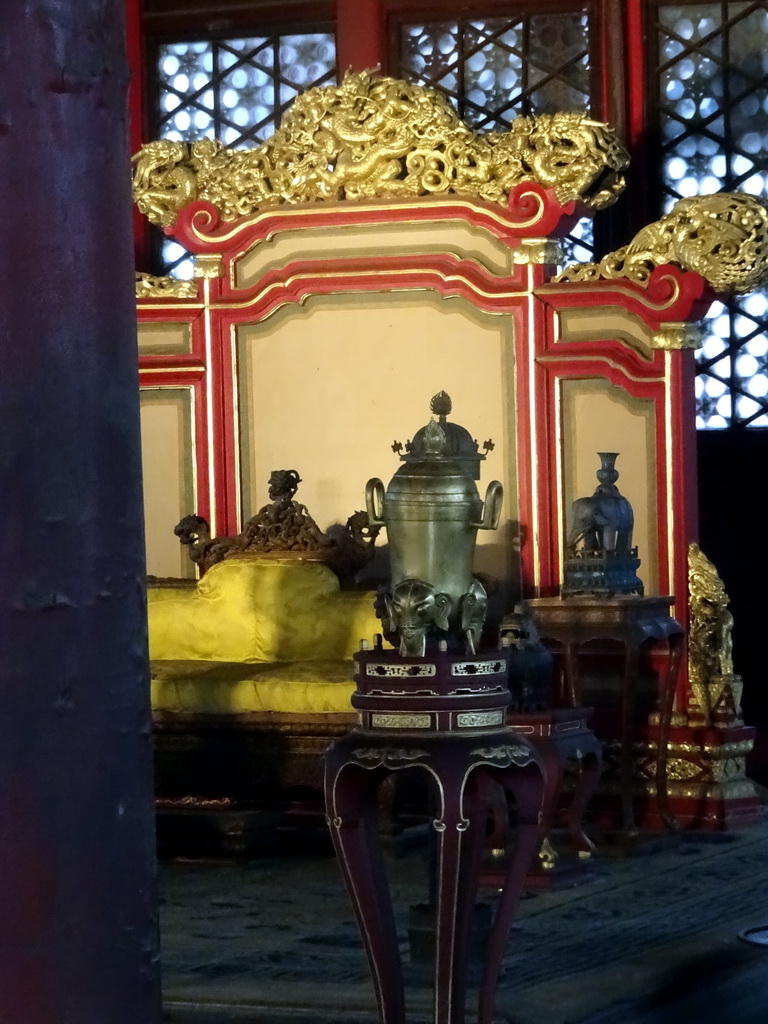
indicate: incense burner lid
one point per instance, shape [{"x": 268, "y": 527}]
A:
[{"x": 441, "y": 441}]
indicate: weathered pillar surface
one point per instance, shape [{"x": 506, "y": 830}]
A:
[{"x": 78, "y": 942}]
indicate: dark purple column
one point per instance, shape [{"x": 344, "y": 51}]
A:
[{"x": 78, "y": 937}]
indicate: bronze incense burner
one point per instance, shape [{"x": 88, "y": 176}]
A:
[{"x": 432, "y": 512}]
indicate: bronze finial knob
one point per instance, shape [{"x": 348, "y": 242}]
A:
[{"x": 441, "y": 404}]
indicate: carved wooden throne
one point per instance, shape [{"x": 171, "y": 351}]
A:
[{"x": 376, "y": 250}]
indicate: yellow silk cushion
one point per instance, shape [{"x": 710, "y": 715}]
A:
[
  {"x": 209, "y": 687},
  {"x": 251, "y": 610}
]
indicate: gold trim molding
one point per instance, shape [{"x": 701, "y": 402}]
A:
[
  {"x": 723, "y": 237},
  {"x": 537, "y": 251},
  {"x": 376, "y": 137},
  {"x": 677, "y": 719},
  {"x": 730, "y": 769},
  {"x": 150, "y": 287},
  {"x": 208, "y": 266},
  {"x": 736, "y": 789},
  {"x": 673, "y": 337}
]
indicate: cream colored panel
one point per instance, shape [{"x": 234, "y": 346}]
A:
[
  {"x": 460, "y": 237},
  {"x": 326, "y": 389},
  {"x": 606, "y": 323},
  {"x": 158, "y": 339},
  {"x": 597, "y": 417},
  {"x": 168, "y": 461}
]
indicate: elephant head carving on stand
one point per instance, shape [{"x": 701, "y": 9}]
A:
[
  {"x": 474, "y": 605},
  {"x": 414, "y": 611}
]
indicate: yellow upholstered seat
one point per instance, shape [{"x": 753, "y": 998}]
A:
[
  {"x": 221, "y": 688},
  {"x": 257, "y": 636}
]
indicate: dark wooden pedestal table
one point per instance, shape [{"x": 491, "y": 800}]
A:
[
  {"x": 634, "y": 622},
  {"x": 444, "y": 714},
  {"x": 561, "y": 735}
]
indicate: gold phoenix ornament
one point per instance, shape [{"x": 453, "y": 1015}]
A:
[{"x": 723, "y": 237}]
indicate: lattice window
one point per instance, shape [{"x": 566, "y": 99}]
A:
[
  {"x": 235, "y": 90},
  {"x": 713, "y": 112},
  {"x": 495, "y": 69}
]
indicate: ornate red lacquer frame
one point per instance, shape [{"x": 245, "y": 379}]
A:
[{"x": 527, "y": 295}]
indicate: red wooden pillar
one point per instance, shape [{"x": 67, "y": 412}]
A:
[
  {"x": 360, "y": 35},
  {"x": 637, "y": 84},
  {"x": 78, "y": 938}
]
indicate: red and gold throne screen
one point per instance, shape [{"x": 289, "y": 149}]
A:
[{"x": 375, "y": 251}]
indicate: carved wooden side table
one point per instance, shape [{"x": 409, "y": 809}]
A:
[
  {"x": 561, "y": 735},
  {"x": 444, "y": 714},
  {"x": 634, "y": 622}
]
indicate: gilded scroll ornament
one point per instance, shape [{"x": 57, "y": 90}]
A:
[
  {"x": 383, "y": 138},
  {"x": 150, "y": 287},
  {"x": 537, "y": 251},
  {"x": 208, "y": 266},
  {"x": 716, "y": 689},
  {"x": 723, "y": 237}
]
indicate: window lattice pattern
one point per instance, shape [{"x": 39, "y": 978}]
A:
[
  {"x": 495, "y": 69},
  {"x": 713, "y": 110},
  {"x": 235, "y": 90}
]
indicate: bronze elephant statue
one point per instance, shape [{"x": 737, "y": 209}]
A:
[{"x": 602, "y": 522}]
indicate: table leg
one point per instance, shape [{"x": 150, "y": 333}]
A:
[
  {"x": 527, "y": 786},
  {"x": 591, "y": 761},
  {"x": 460, "y": 827},
  {"x": 666, "y": 705},
  {"x": 553, "y": 763},
  {"x": 571, "y": 669},
  {"x": 350, "y": 795},
  {"x": 626, "y": 761}
]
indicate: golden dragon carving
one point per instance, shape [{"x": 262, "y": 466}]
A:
[
  {"x": 150, "y": 287},
  {"x": 710, "y": 644},
  {"x": 381, "y": 137},
  {"x": 723, "y": 237}
]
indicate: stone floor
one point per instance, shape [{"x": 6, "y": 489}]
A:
[{"x": 651, "y": 939}]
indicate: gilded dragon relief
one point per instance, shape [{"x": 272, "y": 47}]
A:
[
  {"x": 384, "y": 138},
  {"x": 150, "y": 287},
  {"x": 723, "y": 237}
]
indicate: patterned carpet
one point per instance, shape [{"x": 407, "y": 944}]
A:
[{"x": 652, "y": 939}]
